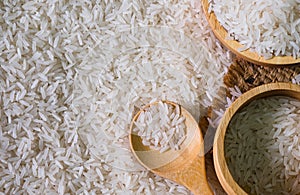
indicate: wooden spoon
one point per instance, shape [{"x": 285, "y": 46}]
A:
[
  {"x": 233, "y": 45},
  {"x": 185, "y": 166}
]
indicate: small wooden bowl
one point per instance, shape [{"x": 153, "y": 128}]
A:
[
  {"x": 233, "y": 45},
  {"x": 273, "y": 89}
]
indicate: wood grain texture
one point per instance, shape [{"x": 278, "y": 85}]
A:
[
  {"x": 233, "y": 45},
  {"x": 185, "y": 166},
  {"x": 273, "y": 89}
]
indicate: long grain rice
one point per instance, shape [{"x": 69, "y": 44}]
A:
[
  {"x": 262, "y": 146},
  {"x": 70, "y": 67},
  {"x": 270, "y": 28},
  {"x": 161, "y": 126}
]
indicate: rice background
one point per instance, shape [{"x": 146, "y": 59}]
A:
[{"x": 58, "y": 57}]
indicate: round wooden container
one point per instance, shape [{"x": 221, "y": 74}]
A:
[
  {"x": 273, "y": 89},
  {"x": 233, "y": 45}
]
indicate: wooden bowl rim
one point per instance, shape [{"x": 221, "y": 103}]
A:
[
  {"x": 233, "y": 45},
  {"x": 266, "y": 90}
]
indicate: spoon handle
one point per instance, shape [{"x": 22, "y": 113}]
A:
[{"x": 193, "y": 176}]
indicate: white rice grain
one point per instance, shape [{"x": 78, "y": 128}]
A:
[
  {"x": 45, "y": 44},
  {"x": 270, "y": 146},
  {"x": 266, "y": 27}
]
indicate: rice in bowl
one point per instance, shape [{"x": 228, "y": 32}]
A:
[
  {"x": 269, "y": 28},
  {"x": 262, "y": 148}
]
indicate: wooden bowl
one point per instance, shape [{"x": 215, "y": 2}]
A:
[
  {"x": 233, "y": 45},
  {"x": 273, "y": 89}
]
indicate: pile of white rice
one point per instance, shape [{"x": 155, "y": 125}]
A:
[
  {"x": 262, "y": 146},
  {"x": 270, "y": 28},
  {"x": 73, "y": 73},
  {"x": 161, "y": 126}
]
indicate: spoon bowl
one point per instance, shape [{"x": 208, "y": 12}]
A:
[{"x": 185, "y": 166}]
